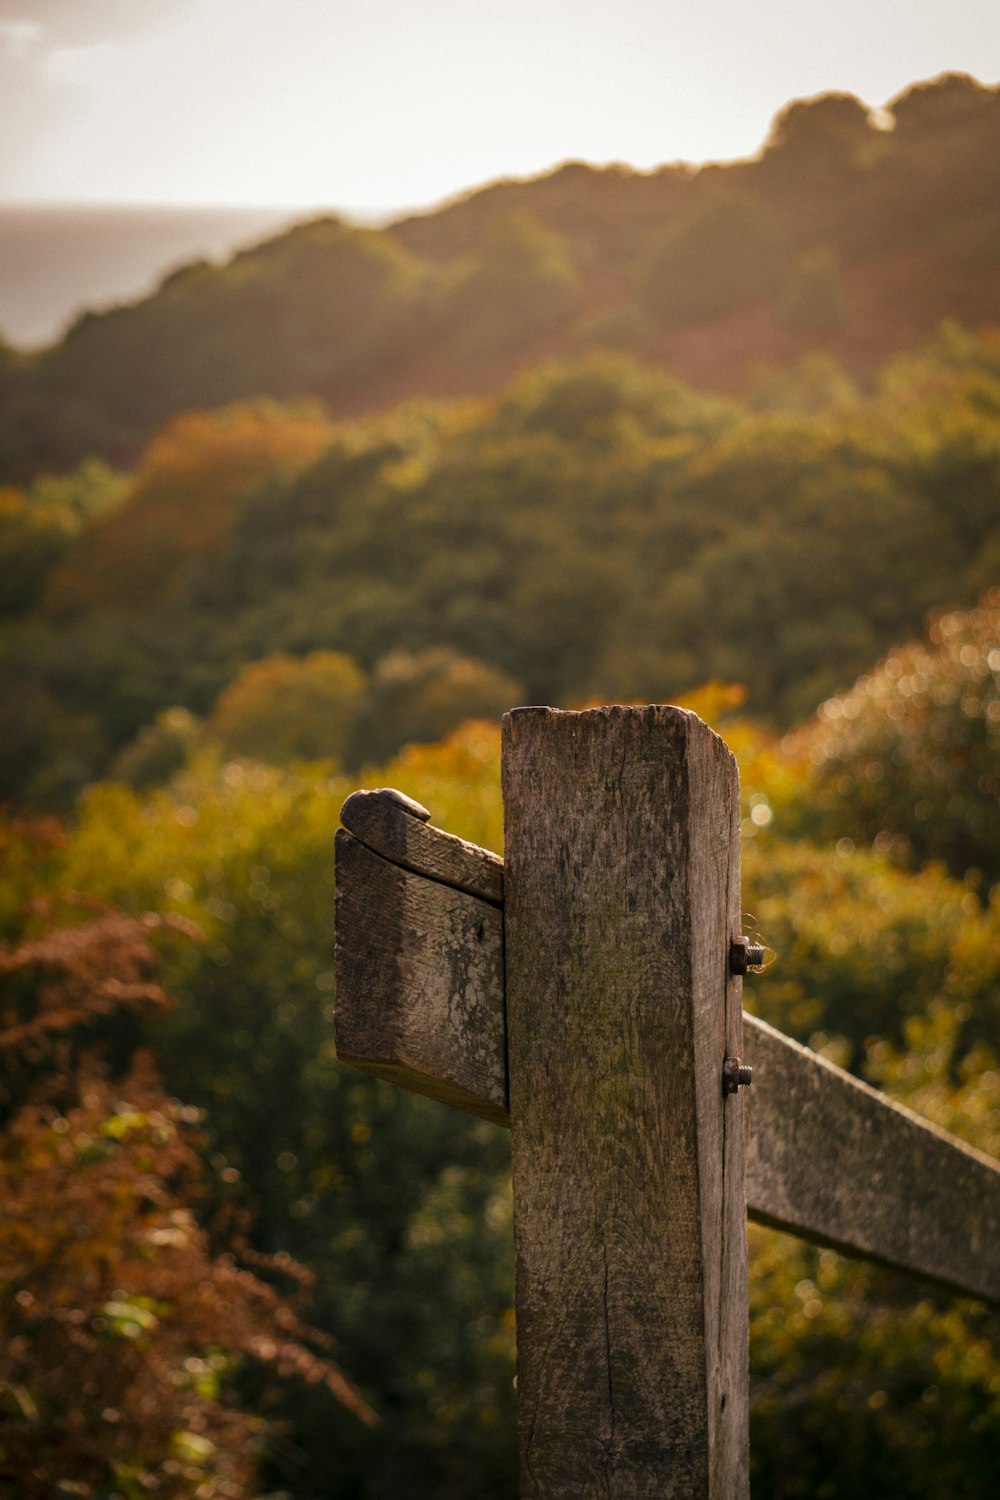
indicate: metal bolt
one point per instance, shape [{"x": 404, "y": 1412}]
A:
[
  {"x": 744, "y": 955},
  {"x": 736, "y": 1075}
]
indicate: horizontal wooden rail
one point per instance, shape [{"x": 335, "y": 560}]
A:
[
  {"x": 420, "y": 1001},
  {"x": 834, "y": 1161}
]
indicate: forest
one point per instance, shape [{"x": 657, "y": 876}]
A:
[{"x": 313, "y": 521}]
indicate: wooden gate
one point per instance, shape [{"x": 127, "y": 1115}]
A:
[{"x": 587, "y": 992}]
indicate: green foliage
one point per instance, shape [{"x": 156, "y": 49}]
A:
[
  {"x": 159, "y": 749},
  {"x": 38, "y": 525},
  {"x": 180, "y": 504},
  {"x": 862, "y": 946},
  {"x": 601, "y": 530},
  {"x": 285, "y": 708},
  {"x": 909, "y": 757},
  {"x": 375, "y": 1190},
  {"x": 865, "y": 1383},
  {"x": 520, "y": 286},
  {"x": 401, "y": 1208},
  {"x": 422, "y": 696},
  {"x": 269, "y": 588},
  {"x": 816, "y": 385}
]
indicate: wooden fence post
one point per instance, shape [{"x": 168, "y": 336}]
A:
[{"x": 622, "y": 895}]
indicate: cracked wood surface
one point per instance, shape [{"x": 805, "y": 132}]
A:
[
  {"x": 622, "y": 890},
  {"x": 828, "y": 1158}
]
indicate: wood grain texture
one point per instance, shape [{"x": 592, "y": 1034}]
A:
[
  {"x": 380, "y": 820},
  {"x": 837, "y": 1162},
  {"x": 829, "y": 1159},
  {"x": 419, "y": 977},
  {"x": 622, "y": 891}
]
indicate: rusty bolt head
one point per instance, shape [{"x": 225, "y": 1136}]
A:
[
  {"x": 744, "y": 955},
  {"x": 736, "y": 1075}
]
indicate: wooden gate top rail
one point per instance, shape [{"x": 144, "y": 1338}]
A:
[
  {"x": 400, "y": 830},
  {"x": 420, "y": 1001}
]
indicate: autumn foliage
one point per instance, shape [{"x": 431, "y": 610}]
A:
[
  {"x": 182, "y": 502},
  {"x": 125, "y": 1315}
]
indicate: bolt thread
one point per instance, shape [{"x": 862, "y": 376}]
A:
[
  {"x": 755, "y": 955},
  {"x": 744, "y": 1076}
]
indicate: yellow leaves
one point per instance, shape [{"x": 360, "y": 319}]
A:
[
  {"x": 288, "y": 707},
  {"x": 458, "y": 780},
  {"x": 124, "y": 1122},
  {"x": 192, "y": 1447},
  {"x": 129, "y": 1318}
]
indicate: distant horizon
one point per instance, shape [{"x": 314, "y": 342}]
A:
[{"x": 361, "y": 213}]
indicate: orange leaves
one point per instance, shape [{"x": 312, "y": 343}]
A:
[
  {"x": 76, "y": 975},
  {"x": 122, "y": 1313},
  {"x": 182, "y": 502}
]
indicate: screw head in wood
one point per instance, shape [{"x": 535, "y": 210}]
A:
[
  {"x": 744, "y": 955},
  {"x": 736, "y": 1075}
]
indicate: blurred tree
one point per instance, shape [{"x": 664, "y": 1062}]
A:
[
  {"x": 945, "y": 100},
  {"x": 726, "y": 251},
  {"x": 159, "y": 749},
  {"x": 181, "y": 504},
  {"x": 820, "y": 135},
  {"x": 401, "y": 1208},
  {"x": 909, "y": 757},
  {"x": 601, "y": 528},
  {"x": 123, "y": 1320},
  {"x": 813, "y": 301},
  {"x": 288, "y": 708},
  {"x": 38, "y": 525},
  {"x": 817, "y": 384},
  {"x": 521, "y": 284},
  {"x": 339, "y": 1169},
  {"x": 422, "y": 696}
]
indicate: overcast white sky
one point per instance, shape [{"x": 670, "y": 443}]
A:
[{"x": 384, "y": 104}]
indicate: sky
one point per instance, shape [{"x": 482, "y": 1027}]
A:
[{"x": 372, "y": 106}]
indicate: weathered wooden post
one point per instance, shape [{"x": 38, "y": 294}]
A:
[
  {"x": 621, "y": 828},
  {"x": 603, "y": 1047}
]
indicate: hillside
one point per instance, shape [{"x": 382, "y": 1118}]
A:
[
  {"x": 57, "y": 259},
  {"x": 598, "y": 529},
  {"x": 849, "y": 233}
]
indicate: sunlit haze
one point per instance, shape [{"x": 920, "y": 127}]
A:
[{"x": 376, "y": 105}]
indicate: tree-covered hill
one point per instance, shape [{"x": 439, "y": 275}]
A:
[
  {"x": 598, "y": 529},
  {"x": 854, "y": 233}
]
